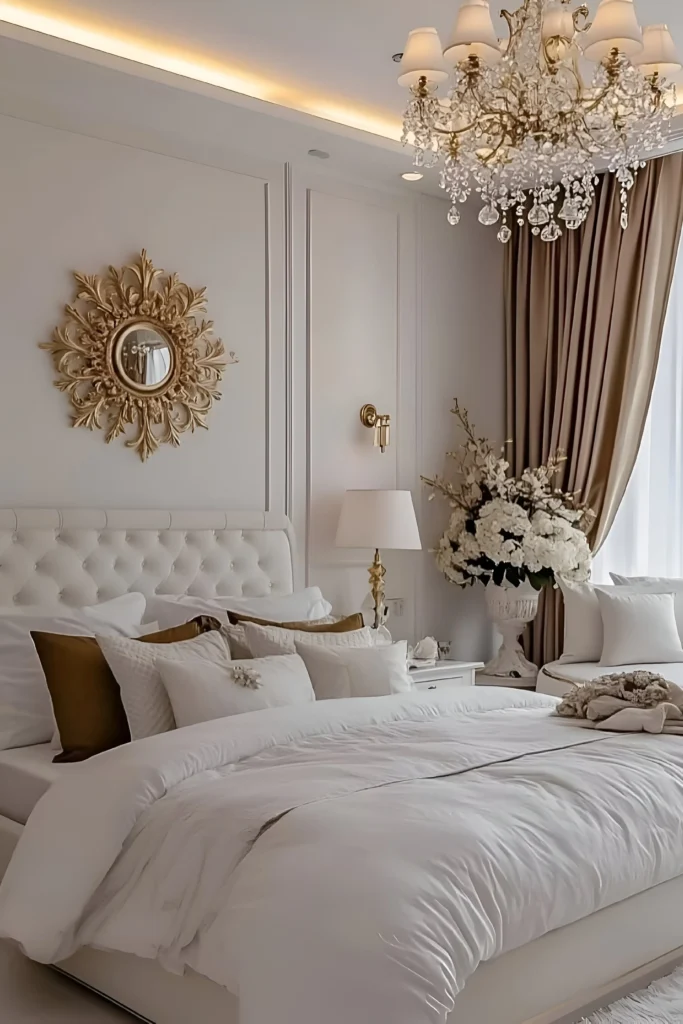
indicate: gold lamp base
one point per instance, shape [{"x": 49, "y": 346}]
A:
[{"x": 377, "y": 572}]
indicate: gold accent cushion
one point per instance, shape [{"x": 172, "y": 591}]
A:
[
  {"x": 347, "y": 625},
  {"x": 86, "y": 699}
]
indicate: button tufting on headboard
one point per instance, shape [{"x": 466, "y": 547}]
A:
[{"x": 76, "y": 556}]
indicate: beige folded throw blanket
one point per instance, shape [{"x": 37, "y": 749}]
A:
[{"x": 627, "y": 702}]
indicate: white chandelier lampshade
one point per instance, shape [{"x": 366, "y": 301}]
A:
[
  {"x": 473, "y": 35},
  {"x": 558, "y": 22},
  {"x": 615, "y": 27},
  {"x": 658, "y": 56},
  {"x": 422, "y": 58}
]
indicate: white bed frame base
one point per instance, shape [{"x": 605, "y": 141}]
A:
[{"x": 79, "y": 556}]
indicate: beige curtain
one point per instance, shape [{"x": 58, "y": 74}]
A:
[{"x": 584, "y": 320}]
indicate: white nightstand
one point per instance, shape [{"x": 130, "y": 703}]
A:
[
  {"x": 516, "y": 684},
  {"x": 445, "y": 674}
]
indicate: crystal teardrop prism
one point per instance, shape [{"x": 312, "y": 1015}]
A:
[{"x": 489, "y": 215}]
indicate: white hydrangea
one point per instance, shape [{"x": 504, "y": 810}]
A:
[{"x": 517, "y": 526}]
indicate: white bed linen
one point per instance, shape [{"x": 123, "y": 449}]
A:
[
  {"x": 350, "y": 860},
  {"x": 25, "y": 774}
]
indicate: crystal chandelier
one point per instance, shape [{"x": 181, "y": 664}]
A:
[{"x": 522, "y": 125}]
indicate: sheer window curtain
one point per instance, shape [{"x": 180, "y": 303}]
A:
[{"x": 646, "y": 538}]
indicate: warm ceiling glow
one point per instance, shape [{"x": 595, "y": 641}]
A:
[
  {"x": 412, "y": 176},
  {"x": 198, "y": 68}
]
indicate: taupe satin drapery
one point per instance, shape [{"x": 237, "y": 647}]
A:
[{"x": 584, "y": 319}]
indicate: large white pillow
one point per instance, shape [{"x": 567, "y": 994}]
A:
[
  {"x": 656, "y": 585},
  {"x": 143, "y": 693},
  {"x": 266, "y": 640},
  {"x": 304, "y": 606},
  {"x": 25, "y": 707},
  {"x": 357, "y": 672},
  {"x": 583, "y": 634},
  {"x": 200, "y": 693},
  {"x": 639, "y": 629}
]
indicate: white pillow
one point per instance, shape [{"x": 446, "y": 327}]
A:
[
  {"x": 25, "y": 707},
  {"x": 305, "y": 606},
  {"x": 265, "y": 640},
  {"x": 583, "y": 634},
  {"x": 639, "y": 629},
  {"x": 656, "y": 585},
  {"x": 357, "y": 672},
  {"x": 202, "y": 692},
  {"x": 143, "y": 694}
]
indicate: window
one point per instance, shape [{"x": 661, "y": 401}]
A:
[{"x": 647, "y": 536}]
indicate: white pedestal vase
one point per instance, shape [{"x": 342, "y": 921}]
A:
[{"x": 511, "y": 609}]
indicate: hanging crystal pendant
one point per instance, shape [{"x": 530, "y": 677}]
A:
[
  {"x": 505, "y": 234},
  {"x": 551, "y": 232},
  {"x": 488, "y": 216},
  {"x": 538, "y": 215},
  {"x": 453, "y": 216}
]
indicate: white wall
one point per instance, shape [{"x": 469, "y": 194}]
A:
[
  {"x": 331, "y": 293},
  {"x": 461, "y": 354}
]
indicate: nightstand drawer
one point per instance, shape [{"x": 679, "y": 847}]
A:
[{"x": 444, "y": 684}]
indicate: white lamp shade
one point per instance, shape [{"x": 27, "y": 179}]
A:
[
  {"x": 615, "y": 27},
  {"x": 658, "y": 55},
  {"x": 558, "y": 21},
  {"x": 422, "y": 58},
  {"x": 378, "y": 519},
  {"x": 473, "y": 33}
]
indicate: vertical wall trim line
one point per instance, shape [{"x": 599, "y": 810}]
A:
[
  {"x": 289, "y": 342},
  {"x": 309, "y": 378},
  {"x": 269, "y": 351}
]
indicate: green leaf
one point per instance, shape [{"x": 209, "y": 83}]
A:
[
  {"x": 513, "y": 576},
  {"x": 499, "y": 574}
]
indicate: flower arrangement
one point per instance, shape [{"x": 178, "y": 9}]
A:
[{"x": 510, "y": 528}]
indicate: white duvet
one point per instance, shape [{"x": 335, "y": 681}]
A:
[{"x": 348, "y": 861}]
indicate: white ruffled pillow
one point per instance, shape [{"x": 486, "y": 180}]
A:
[
  {"x": 263, "y": 641},
  {"x": 143, "y": 693},
  {"x": 338, "y": 672},
  {"x": 639, "y": 629},
  {"x": 307, "y": 605},
  {"x": 218, "y": 691}
]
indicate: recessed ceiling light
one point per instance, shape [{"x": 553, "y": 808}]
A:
[
  {"x": 412, "y": 176},
  {"x": 319, "y": 154}
]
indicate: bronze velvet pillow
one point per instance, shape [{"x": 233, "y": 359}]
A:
[
  {"x": 85, "y": 695},
  {"x": 347, "y": 625}
]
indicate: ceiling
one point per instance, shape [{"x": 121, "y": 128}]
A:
[{"x": 329, "y": 59}]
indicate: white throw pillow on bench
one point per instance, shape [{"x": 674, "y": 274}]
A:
[{"x": 638, "y": 628}]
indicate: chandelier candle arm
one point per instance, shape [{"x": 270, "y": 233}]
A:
[{"x": 519, "y": 125}]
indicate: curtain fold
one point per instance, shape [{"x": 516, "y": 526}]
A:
[{"x": 584, "y": 318}]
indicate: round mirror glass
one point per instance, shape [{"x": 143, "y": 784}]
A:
[{"x": 143, "y": 357}]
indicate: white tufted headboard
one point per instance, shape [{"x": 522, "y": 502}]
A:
[{"x": 81, "y": 556}]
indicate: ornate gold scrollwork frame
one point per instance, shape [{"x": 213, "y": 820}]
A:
[{"x": 101, "y": 353}]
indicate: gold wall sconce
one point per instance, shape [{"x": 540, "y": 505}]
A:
[{"x": 381, "y": 424}]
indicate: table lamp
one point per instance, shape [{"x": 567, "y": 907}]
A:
[{"x": 378, "y": 519}]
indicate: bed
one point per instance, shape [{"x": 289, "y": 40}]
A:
[{"x": 84, "y": 555}]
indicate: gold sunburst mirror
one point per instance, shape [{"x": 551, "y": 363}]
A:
[{"x": 133, "y": 353}]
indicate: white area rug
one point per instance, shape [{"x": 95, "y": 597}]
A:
[{"x": 661, "y": 1003}]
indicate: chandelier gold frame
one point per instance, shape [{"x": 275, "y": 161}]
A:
[{"x": 87, "y": 348}]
